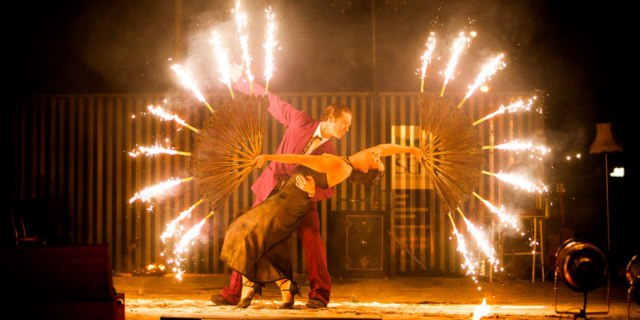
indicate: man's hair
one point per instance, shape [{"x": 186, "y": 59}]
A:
[
  {"x": 371, "y": 178},
  {"x": 335, "y": 110}
]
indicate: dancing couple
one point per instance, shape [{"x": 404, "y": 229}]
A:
[{"x": 304, "y": 170}]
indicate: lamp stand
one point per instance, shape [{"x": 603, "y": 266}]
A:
[{"x": 606, "y": 176}]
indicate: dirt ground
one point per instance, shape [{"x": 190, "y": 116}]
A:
[{"x": 165, "y": 297}]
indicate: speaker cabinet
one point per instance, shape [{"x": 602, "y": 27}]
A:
[{"x": 359, "y": 245}]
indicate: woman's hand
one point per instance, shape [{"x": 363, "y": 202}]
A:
[
  {"x": 418, "y": 154},
  {"x": 259, "y": 161},
  {"x": 306, "y": 184}
]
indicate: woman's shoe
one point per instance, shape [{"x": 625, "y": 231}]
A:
[
  {"x": 294, "y": 289},
  {"x": 245, "y": 302}
]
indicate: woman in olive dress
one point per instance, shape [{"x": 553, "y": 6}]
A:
[{"x": 256, "y": 244}]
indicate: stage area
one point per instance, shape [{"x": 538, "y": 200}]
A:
[{"x": 165, "y": 297}]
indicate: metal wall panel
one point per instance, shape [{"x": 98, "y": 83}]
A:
[{"x": 72, "y": 150}]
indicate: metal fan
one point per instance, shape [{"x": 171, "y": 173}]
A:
[
  {"x": 231, "y": 138},
  {"x": 454, "y": 154}
]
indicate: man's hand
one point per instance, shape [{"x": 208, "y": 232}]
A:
[
  {"x": 259, "y": 161},
  {"x": 306, "y": 184}
]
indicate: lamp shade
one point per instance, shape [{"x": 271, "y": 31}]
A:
[{"x": 605, "y": 139}]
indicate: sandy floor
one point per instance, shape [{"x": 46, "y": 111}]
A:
[{"x": 165, "y": 297}]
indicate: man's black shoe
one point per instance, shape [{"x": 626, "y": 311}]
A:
[
  {"x": 219, "y": 300},
  {"x": 314, "y": 303}
]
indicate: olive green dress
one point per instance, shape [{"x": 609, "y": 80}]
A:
[{"x": 256, "y": 244}]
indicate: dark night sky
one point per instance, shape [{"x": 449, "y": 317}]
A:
[{"x": 573, "y": 51}]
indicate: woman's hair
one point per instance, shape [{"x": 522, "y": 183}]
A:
[
  {"x": 370, "y": 178},
  {"x": 335, "y": 110}
]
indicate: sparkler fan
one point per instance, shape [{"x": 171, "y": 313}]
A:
[
  {"x": 452, "y": 147},
  {"x": 231, "y": 138}
]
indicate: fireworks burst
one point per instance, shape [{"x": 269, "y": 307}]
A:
[
  {"x": 506, "y": 219},
  {"x": 189, "y": 83},
  {"x": 520, "y": 105},
  {"x": 269, "y": 45},
  {"x": 165, "y": 116},
  {"x": 520, "y": 182},
  {"x": 458, "y": 46},
  {"x": 492, "y": 67},
  {"x": 223, "y": 62},
  {"x": 241, "y": 19},
  {"x": 426, "y": 58},
  {"x": 454, "y": 160},
  {"x": 158, "y": 190},
  {"x": 227, "y": 143},
  {"x": 537, "y": 151},
  {"x": 481, "y": 241},
  {"x": 155, "y": 150}
]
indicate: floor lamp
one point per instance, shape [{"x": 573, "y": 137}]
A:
[{"x": 606, "y": 142}]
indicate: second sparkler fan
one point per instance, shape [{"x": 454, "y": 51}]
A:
[
  {"x": 231, "y": 138},
  {"x": 452, "y": 146}
]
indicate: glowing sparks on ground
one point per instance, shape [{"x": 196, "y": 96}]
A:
[
  {"x": 506, "y": 219},
  {"x": 519, "y": 182},
  {"x": 160, "y": 113},
  {"x": 155, "y": 150},
  {"x": 189, "y": 83},
  {"x": 458, "y": 46},
  {"x": 492, "y": 67},
  {"x": 241, "y": 19},
  {"x": 482, "y": 310},
  {"x": 269, "y": 44},
  {"x": 426, "y": 58},
  {"x": 223, "y": 62},
  {"x": 520, "y": 105},
  {"x": 158, "y": 190}
]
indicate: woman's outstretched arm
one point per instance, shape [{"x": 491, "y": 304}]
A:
[
  {"x": 324, "y": 164},
  {"x": 391, "y": 149}
]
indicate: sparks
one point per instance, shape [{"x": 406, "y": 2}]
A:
[
  {"x": 469, "y": 263},
  {"x": 172, "y": 227},
  {"x": 538, "y": 150},
  {"x": 481, "y": 240},
  {"x": 164, "y": 116},
  {"x": 506, "y": 219},
  {"x": 519, "y": 182},
  {"x": 492, "y": 67},
  {"x": 426, "y": 58},
  {"x": 223, "y": 62},
  {"x": 458, "y": 46},
  {"x": 241, "y": 19},
  {"x": 182, "y": 246},
  {"x": 189, "y": 83},
  {"x": 520, "y": 105},
  {"x": 157, "y": 190},
  {"x": 155, "y": 150},
  {"x": 268, "y": 70}
]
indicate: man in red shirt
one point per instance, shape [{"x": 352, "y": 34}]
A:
[{"x": 301, "y": 128}]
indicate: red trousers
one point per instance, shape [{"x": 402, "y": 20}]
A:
[{"x": 316, "y": 258}]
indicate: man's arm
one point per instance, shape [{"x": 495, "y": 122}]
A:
[{"x": 284, "y": 112}]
